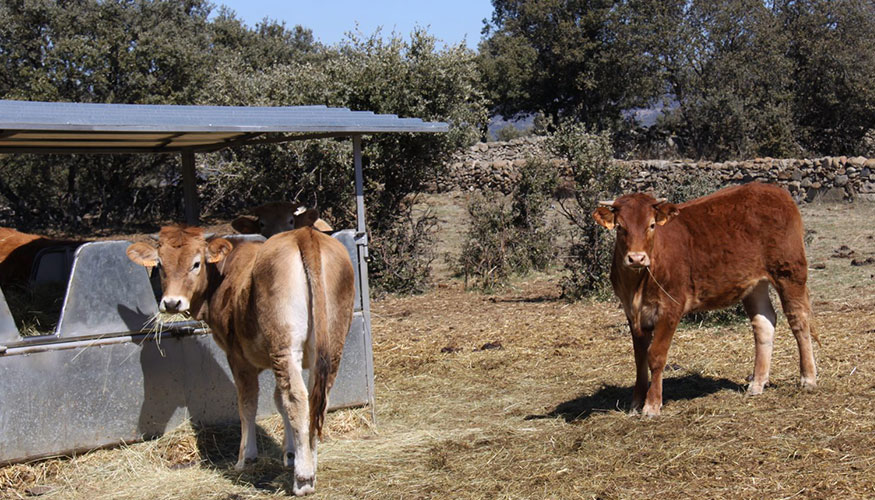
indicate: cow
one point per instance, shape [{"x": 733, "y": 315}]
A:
[
  {"x": 278, "y": 216},
  {"x": 284, "y": 304},
  {"x": 705, "y": 254},
  {"x": 18, "y": 251}
]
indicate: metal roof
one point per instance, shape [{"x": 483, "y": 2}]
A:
[{"x": 63, "y": 127}]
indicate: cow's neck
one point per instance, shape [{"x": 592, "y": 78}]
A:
[{"x": 214, "y": 279}]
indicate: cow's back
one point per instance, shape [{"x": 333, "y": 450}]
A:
[{"x": 732, "y": 239}]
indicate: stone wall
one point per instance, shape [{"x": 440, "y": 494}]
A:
[{"x": 494, "y": 166}]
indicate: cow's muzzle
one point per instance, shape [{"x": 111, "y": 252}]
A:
[
  {"x": 173, "y": 304},
  {"x": 637, "y": 260}
]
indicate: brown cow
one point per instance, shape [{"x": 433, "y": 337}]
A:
[
  {"x": 708, "y": 253},
  {"x": 278, "y": 216},
  {"x": 18, "y": 251},
  {"x": 282, "y": 305}
]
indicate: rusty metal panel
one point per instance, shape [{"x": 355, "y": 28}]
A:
[{"x": 107, "y": 292}]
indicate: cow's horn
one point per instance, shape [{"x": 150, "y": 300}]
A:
[
  {"x": 301, "y": 209},
  {"x": 661, "y": 200},
  {"x": 607, "y": 203},
  {"x": 154, "y": 236}
]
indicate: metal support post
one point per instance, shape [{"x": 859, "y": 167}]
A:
[{"x": 189, "y": 188}]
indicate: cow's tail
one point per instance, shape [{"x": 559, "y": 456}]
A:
[{"x": 321, "y": 368}]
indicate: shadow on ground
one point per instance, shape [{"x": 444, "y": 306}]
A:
[
  {"x": 219, "y": 445},
  {"x": 613, "y": 398}
]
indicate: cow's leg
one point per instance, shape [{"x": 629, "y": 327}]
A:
[
  {"x": 657, "y": 354},
  {"x": 246, "y": 381},
  {"x": 640, "y": 343},
  {"x": 762, "y": 318},
  {"x": 797, "y": 308},
  {"x": 288, "y": 436},
  {"x": 293, "y": 398}
]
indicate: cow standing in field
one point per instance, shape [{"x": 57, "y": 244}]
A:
[
  {"x": 708, "y": 253},
  {"x": 282, "y": 305},
  {"x": 278, "y": 216}
]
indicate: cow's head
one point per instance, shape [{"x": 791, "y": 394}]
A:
[
  {"x": 636, "y": 217},
  {"x": 275, "y": 217},
  {"x": 181, "y": 256}
]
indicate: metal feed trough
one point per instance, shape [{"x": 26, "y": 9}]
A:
[{"x": 101, "y": 378}]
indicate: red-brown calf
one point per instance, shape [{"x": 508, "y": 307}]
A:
[{"x": 705, "y": 254}]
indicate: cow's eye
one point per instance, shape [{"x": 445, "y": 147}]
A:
[
  {"x": 291, "y": 222},
  {"x": 652, "y": 225},
  {"x": 261, "y": 223},
  {"x": 196, "y": 265}
]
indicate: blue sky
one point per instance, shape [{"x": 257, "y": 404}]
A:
[{"x": 448, "y": 20}]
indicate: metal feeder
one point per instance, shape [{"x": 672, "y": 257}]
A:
[{"x": 101, "y": 378}]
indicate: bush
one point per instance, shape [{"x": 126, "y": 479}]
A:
[
  {"x": 513, "y": 236},
  {"x": 594, "y": 176},
  {"x": 401, "y": 257},
  {"x": 485, "y": 261}
]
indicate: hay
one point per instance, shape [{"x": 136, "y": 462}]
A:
[
  {"x": 36, "y": 309},
  {"x": 545, "y": 416}
]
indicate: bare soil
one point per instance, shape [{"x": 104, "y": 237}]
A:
[{"x": 522, "y": 395}]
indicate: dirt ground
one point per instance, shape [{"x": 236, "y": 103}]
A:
[{"x": 522, "y": 395}]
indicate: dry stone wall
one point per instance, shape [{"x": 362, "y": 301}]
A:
[{"x": 495, "y": 166}]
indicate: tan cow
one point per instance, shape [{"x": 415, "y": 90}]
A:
[
  {"x": 282, "y": 305},
  {"x": 278, "y": 216},
  {"x": 708, "y": 253},
  {"x": 18, "y": 251}
]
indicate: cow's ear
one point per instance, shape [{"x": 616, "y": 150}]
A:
[
  {"x": 665, "y": 212},
  {"x": 246, "y": 224},
  {"x": 605, "y": 217},
  {"x": 143, "y": 254},
  {"x": 217, "y": 249},
  {"x": 306, "y": 217},
  {"x": 322, "y": 226}
]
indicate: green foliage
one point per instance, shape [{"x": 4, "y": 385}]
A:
[
  {"x": 594, "y": 177},
  {"x": 583, "y": 59},
  {"x": 171, "y": 52},
  {"x": 732, "y": 81},
  {"x": 832, "y": 50},
  {"x": 741, "y": 78},
  {"x": 404, "y": 77},
  {"x": 514, "y": 236}
]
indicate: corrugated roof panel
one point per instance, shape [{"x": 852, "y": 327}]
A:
[{"x": 27, "y": 126}]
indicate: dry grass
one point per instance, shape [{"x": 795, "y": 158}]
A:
[{"x": 541, "y": 412}]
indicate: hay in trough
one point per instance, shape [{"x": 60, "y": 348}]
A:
[{"x": 36, "y": 308}]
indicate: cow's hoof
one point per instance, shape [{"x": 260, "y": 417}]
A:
[
  {"x": 304, "y": 485},
  {"x": 650, "y": 411},
  {"x": 755, "y": 389},
  {"x": 808, "y": 384},
  {"x": 244, "y": 462}
]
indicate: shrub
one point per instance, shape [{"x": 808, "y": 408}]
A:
[
  {"x": 402, "y": 254},
  {"x": 485, "y": 261},
  {"x": 512, "y": 236},
  {"x": 594, "y": 176}
]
